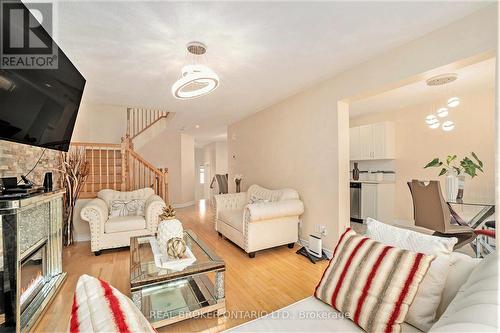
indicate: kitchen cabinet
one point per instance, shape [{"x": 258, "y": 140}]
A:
[
  {"x": 354, "y": 144},
  {"x": 377, "y": 201},
  {"x": 368, "y": 201},
  {"x": 372, "y": 142}
]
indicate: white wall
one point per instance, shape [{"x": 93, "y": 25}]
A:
[
  {"x": 175, "y": 151},
  {"x": 221, "y": 157},
  {"x": 303, "y": 141},
  {"x": 187, "y": 167},
  {"x": 216, "y": 162},
  {"x": 198, "y": 160},
  {"x": 101, "y": 123}
]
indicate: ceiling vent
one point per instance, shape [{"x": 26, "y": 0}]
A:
[{"x": 442, "y": 79}]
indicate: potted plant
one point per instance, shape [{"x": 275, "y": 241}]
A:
[{"x": 455, "y": 173}]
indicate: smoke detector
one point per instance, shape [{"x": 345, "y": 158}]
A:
[{"x": 442, "y": 79}]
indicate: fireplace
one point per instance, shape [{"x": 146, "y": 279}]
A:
[
  {"x": 33, "y": 275},
  {"x": 30, "y": 258}
]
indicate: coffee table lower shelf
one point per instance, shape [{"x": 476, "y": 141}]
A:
[{"x": 173, "y": 301}]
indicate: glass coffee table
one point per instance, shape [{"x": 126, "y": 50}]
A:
[{"x": 166, "y": 296}]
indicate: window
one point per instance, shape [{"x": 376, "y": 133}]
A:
[{"x": 202, "y": 174}]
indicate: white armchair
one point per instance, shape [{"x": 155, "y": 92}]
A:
[
  {"x": 260, "y": 218},
  {"x": 111, "y": 229}
]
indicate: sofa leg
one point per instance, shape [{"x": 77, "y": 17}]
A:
[
  {"x": 251, "y": 254},
  {"x": 220, "y": 235},
  {"x": 290, "y": 245},
  {"x": 97, "y": 253}
]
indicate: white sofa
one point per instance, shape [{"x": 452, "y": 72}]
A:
[
  {"x": 469, "y": 304},
  {"x": 108, "y": 232},
  {"x": 259, "y": 218}
]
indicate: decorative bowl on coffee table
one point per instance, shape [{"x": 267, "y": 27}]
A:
[{"x": 166, "y": 296}]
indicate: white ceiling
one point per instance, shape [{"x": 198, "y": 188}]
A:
[
  {"x": 131, "y": 52},
  {"x": 478, "y": 76}
]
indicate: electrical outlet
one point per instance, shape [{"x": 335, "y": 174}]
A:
[{"x": 320, "y": 229}]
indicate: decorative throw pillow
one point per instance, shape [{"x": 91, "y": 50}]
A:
[
  {"x": 371, "y": 283},
  {"x": 134, "y": 207},
  {"x": 98, "y": 307},
  {"x": 423, "y": 311},
  {"x": 254, "y": 200}
]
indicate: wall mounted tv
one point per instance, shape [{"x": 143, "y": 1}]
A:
[{"x": 39, "y": 106}]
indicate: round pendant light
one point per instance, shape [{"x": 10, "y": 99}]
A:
[
  {"x": 448, "y": 125},
  {"x": 431, "y": 119},
  {"x": 196, "y": 80},
  {"x": 453, "y": 102},
  {"x": 442, "y": 112}
]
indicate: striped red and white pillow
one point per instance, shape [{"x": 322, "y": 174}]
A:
[
  {"x": 98, "y": 307},
  {"x": 371, "y": 283}
]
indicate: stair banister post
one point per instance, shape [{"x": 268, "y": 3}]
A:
[{"x": 125, "y": 162}]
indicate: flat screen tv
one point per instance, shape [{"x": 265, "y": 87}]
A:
[{"x": 39, "y": 106}]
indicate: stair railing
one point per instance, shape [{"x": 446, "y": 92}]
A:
[
  {"x": 139, "y": 120},
  {"x": 119, "y": 167},
  {"x": 105, "y": 167}
]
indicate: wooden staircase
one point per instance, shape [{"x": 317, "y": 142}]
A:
[{"x": 118, "y": 166}]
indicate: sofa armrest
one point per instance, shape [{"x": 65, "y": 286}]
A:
[
  {"x": 95, "y": 212},
  {"x": 152, "y": 209},
  {"x": 229, "y": 201},
  {"x": 271, "y": 210}
]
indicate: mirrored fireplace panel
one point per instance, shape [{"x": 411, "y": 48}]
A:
[{"x": 33, "y": 275}]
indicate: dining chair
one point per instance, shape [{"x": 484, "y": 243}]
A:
[{"x": 431, "y": 211}]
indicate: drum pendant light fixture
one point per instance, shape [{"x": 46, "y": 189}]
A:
[{"x": 196, "y": 79}]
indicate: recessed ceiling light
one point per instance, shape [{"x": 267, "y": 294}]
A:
[
  {"x": 197, "y": 126},
  {"x": 453, "y": 102},
  {"x": 442, "y": 112}
]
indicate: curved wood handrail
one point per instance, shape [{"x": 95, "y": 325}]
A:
[
  {"x": 145, "y": 162},
  {"x": 95, "y": 144}
]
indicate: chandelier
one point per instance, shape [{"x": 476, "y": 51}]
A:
[
  {"x": 433, "y": 120},
  {"x": 196, "y": 79}
]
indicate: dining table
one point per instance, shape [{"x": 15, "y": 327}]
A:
[{"x": 474, "y": 214}]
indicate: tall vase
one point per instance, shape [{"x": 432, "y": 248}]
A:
[
  {"x": 451, "y": 187},
  {"x": 355, "y": 172},
  {"x": 461, "y": 187},
  {"x": 238, "y": 185}
]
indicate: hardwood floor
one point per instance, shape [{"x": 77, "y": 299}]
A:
[{"x": 254, "y": 287}]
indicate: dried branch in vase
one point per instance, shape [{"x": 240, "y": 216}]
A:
[{"x": 75, "y": 170}]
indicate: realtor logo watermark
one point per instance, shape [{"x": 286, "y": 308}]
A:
[{"x": 25, "y": 43}]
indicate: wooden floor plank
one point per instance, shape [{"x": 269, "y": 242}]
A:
[{"x": 273, "y": 279}]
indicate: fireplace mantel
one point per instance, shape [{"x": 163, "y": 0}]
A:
[{"x": 31, "y": 233}]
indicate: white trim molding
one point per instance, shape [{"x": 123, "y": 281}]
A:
[{"x": 183, "y": 205}]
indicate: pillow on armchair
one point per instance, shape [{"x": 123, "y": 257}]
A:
[
  {"x": 98, "y": 307},
  {"x": 134, "y": 207}
]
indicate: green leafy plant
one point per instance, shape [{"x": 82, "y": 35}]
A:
[{"x": 467, "y": 165}]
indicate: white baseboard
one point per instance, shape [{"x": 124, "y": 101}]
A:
[
  {"x": 328, "y": 252},
  {"x": 82, "y": 238},
  {"x": 182, "y": 205}
]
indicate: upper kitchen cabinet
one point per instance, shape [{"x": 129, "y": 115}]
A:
[
  {"x": 355, "y": 145},
  {"x": 372, "y": 142}
]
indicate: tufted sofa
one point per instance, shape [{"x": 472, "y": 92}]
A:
[
  {"x": 259, "y": 218},
  {"x": 107, "y": 232},
  {"x": 469, "y": 304}
]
